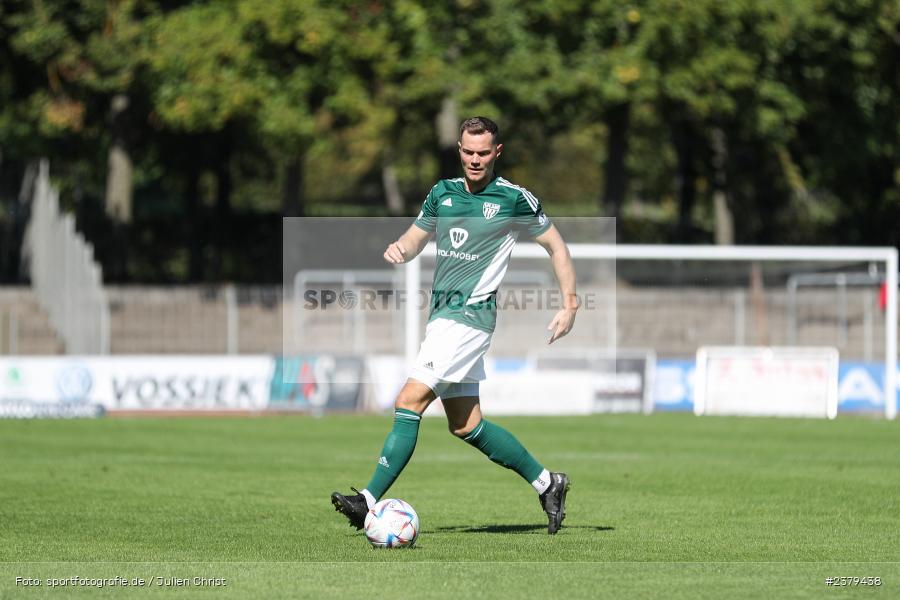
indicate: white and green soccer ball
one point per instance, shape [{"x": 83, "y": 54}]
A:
[{"x": 392, "y": 524}]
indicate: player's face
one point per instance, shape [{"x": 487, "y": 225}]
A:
[{"x": 478, "y": 153}]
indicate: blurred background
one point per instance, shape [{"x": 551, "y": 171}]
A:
[{"x": 163, "y": 142}]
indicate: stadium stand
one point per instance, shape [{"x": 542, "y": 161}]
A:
[
  {"x": 25, "y": 326},
  {"x": 673, "y": 321}
]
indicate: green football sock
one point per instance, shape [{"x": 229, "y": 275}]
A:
[
  {"x": 504, "y": 449},
  {"x": 398, "y": 447}
]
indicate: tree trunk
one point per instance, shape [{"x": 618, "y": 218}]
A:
[
  {"x": 24, "y": 204},
  {"x": 758, "y": 298},
  {"x": 223, "y": 210},
  {"x": 292, "y": 198},
  {"x": 684, "y": 140},
  {"x": 723, "y": 214},
  {"x": 29, "y": 181},
  {"x": 392, "y": 195},
  {"x": 447, "y": 123},
  {"x": 120, "y": 168},
  {"x": 615, "y": 179},
  {"x": 8, "y": 240},
  {"x": 223, "y": 189},
  {"x": 194, "y": 227}
]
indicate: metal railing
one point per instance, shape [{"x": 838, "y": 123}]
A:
[
  {"x": 66, "y": 279},
  {"x": 195, "y": 319}
]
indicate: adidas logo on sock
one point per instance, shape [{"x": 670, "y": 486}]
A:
[
  {"x": 384, "y": 463},
  {"x": 447, "y": 202},
  {"x": 429, "y": 365}
]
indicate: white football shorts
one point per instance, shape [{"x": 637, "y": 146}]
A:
[{"x": 451, "y": 358}]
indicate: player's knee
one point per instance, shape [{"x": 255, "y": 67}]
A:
[
  {"x": 460, "y": 429},
  {"x": 411, "y": 401}
]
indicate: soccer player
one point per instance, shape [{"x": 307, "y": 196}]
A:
[{"x": 476, "y": 219}]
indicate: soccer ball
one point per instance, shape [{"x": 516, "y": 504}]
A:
[{"x": 392, "y": 524}]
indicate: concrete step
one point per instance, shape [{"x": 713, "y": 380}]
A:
[{"x": 33, "y": 332}]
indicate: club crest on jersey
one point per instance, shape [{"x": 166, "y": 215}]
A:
[
  {"x": 458, "y": 236},
  {"x": 490, "y": 210}
]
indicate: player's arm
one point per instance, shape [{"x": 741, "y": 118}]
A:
[
  {"x": 564, "y": 270},
  {"x": 408, "y": 246},
  {"x": 413, "y": 241}
]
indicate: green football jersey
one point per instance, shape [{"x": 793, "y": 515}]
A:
[{"x": 475, "y": 235}]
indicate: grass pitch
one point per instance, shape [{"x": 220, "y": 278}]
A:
[{"x": 669, "y": 505}]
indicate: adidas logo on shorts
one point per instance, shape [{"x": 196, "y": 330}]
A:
[{"x": 429, "y": 365}]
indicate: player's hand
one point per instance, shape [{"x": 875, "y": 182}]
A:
[
  {"x": 395, "y": 253},
  {"x": 561, "y": 324}
]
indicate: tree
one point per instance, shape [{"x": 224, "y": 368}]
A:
[
  {"x": 718, "y": 86},
  {"x": 612, "y": 76},
  {"x": 843, "y": 62},
  {"x": 204, "y": 76},
  {"x": 89, "y": 57}
]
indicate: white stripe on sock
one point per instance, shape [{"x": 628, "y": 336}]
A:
[
  {"x": 475, "y": 433},
  {"x": 401, "y": 415},
  {"x": 542, "y": 482}
]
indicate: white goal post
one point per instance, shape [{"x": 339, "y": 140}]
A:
[{"x": 622, "y": 252}]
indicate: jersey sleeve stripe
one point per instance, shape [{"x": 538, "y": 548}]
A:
[
  {"x": 532, "y": 201},
  {"x": 529, "y": 197}
]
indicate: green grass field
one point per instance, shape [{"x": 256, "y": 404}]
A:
[{"x": 669, "y": 505}]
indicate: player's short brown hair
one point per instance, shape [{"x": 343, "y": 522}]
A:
[{"x": 479, "y": 125}]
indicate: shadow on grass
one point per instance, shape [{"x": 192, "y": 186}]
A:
[{"x": 514, "y": 528}]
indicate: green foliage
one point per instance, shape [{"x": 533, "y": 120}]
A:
[
  {"x": 805, "y": 94},
  {"x": 205, "y": 73}
]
